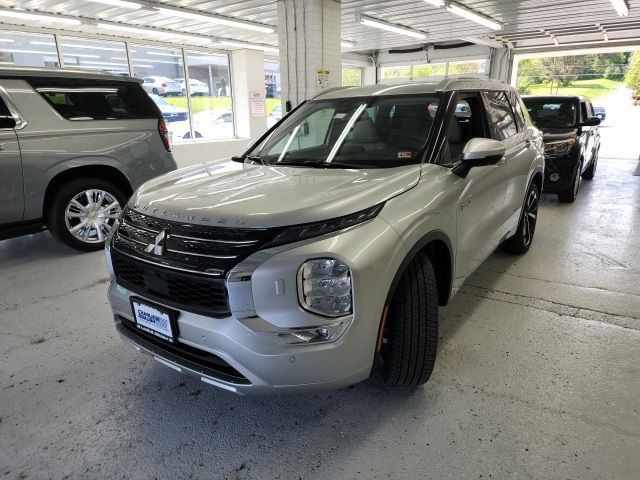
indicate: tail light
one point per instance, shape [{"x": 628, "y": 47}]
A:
[
  {"x": 164, "y": 134},
  {"x": 164, "y": 85}
]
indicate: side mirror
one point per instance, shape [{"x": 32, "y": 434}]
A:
[
  {"x": 591, "y": 122},
  {"x": 7, "y": 122},
  {"x": 479, "y": 152}
]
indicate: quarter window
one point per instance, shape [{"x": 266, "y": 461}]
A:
[
  {"x": 97, "y": 100},
  {"x": 501, "y": 115}
]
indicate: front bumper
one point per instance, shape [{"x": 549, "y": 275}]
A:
[
  {"x": 240, "y": 353},
  {"x": 560, "y": 172}
]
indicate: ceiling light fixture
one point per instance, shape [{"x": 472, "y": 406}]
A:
[
  {"x": 120, "y": 3},
  {"x": 210, "y": 18},
  {"x": 252, "y": 46},
  {"x": 79, "y": 55},
  {"x": 7, "y": 40},
  {"x": 473, "y": 16},
  {"x": 347, "y": 44},
  {"x": 436, "y": 3},
  {"x": 38, "y": 52},
  {"x": 89, "y": 47},
  {"x": 25, "y": 15},
  {"x": 150, "y": 31},
  {"x": 621, "y": 7},
  {"x": 390, "y": 27}
]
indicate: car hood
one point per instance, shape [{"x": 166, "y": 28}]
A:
[{"x": 226, "y": 193}]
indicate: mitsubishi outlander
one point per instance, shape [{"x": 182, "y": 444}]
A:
[{"x": 321, "y": 255}]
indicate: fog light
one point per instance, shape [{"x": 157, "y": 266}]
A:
[
  {"x": 554, "y": 177},
  {"x": 324, "y": 287}
]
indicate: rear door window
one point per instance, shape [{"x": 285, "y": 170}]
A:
[
  {"x": 96, "y": 100},
  {"x": 501, "y": 115}
]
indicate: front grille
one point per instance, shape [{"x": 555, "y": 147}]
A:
[
  {"x": 190, "y": 273},
  {"x": 182, "y": 290}
]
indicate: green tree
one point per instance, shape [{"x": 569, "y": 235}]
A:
[{"x": 632, "y": 78}]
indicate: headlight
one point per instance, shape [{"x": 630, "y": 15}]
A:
[
  {"x": 324, "y": 287},
  {"x": 309, "y": 230},
  {"x": 558, "y": 149}
]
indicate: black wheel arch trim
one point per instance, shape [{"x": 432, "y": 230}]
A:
[{"x": 432, "y": 236}]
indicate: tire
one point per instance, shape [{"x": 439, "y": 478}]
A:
[
  {"x": 590, "y": 171},
  {"x": 70, "y": 207},
  {"x": 570, "y": 194},
  {"x": 155, "y": 91},
  {"x": 520, "y": 242},
  {"x": 410, "y": 333}
]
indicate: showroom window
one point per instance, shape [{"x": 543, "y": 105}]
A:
[
  {"x": 396, "y": 73},
  {"x": 351, "y": 76},
  {"x": 28, "y": 50},
  {"x": 210, "y": 95},
  {"x": 272, "y": 89},
  {"x": 162, "y": 73},
  {"x": 468, "y": 67},
  {"x": 428, "y": 70},
  {"x": 108, "y": 57}
]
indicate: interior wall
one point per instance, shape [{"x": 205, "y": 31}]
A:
[{"x": 192, "y": 153}]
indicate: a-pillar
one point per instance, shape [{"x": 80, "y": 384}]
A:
[
  {"x": 309, "y": 33},
  {"x": 247, "y": 75}
]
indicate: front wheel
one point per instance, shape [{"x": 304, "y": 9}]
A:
[
  {"x": 569, "y": 195},
  {"x": 590, "y": 171},
  {"x": 83, "y": 211},
  {"x": 410, "y": 332},
  {"x": 521, "y": 241}
]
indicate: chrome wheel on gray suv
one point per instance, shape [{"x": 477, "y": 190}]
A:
[
  {"x": 83, "y": 211},
  {"x": 90, "y": 215},
  {"x": 520, "y": 241}
]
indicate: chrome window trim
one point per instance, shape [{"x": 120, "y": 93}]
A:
[{"x": 21, "y": 122}]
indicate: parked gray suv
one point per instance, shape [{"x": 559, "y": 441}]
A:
[
  {"x": 73, "y": 147},
  {"x": 321, "y": 255}
]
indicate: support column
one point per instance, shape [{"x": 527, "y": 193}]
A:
[
  {"x": 310, "y": 62},
  {"x": 501, "y": 64},
  {"x": 247, "y": 79}
]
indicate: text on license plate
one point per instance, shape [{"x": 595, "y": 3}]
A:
[{"x": 152, "y": 320}]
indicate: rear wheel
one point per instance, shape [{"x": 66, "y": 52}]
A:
[
  {"x": 410, "y": 332},
  {"x": 83, "y": 211},
  {"x": 590, "y": 171},
  {"x": 570, "y": 194},
  {"x": 521, "y": 241}
]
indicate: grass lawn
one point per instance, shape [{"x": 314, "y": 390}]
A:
[
  {"x": 592, "y": 89},
  {"x": 199, "y": 104}
]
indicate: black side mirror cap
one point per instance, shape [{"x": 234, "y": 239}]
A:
[{"x": 591, "y": 122}]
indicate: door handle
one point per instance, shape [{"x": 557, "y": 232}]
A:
[{"x": 1, "y": 147}]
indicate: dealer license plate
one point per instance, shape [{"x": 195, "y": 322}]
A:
[{"x": 153, "y": 320}]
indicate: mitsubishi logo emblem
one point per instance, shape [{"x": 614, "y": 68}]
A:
[{"x": 158, "y": 246}]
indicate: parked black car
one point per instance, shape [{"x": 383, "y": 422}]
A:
[
  {"x": 571, "y": 138},
  {"x": 600, "y": 112}
]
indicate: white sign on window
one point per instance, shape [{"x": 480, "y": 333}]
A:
[{"x": 257, "y": 103}]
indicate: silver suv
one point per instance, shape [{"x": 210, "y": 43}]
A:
[
  {"x": 73, "y": 147},
  {"x": 321, "y": 255}
]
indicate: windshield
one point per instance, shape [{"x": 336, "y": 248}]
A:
[
  {"x": 552, "y": 112},
  {"x": 377, "y": 132}
]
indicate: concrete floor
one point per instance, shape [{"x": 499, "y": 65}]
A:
[{"x": 538, "y": 374}]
